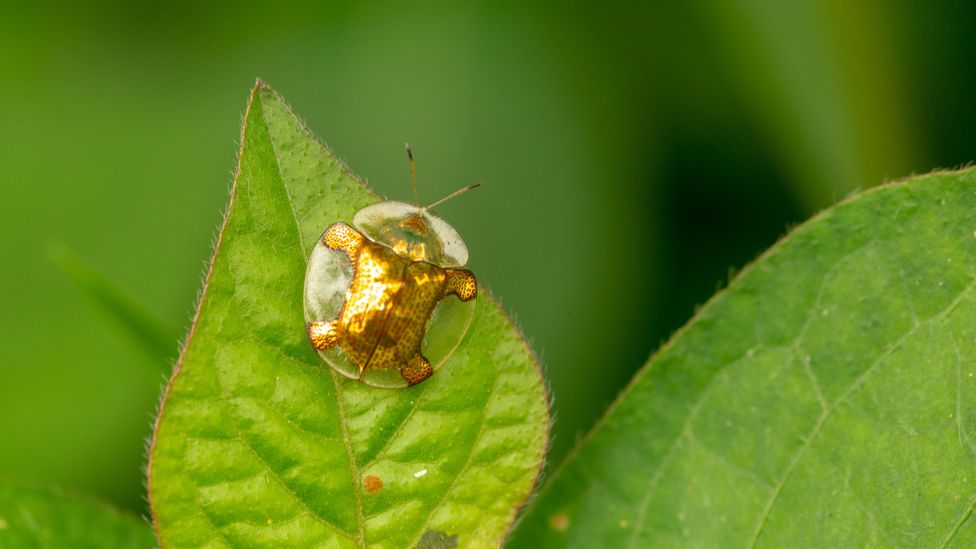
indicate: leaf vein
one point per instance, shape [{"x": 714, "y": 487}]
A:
[
  {"x": 693, "y": 413},
  {"x": 964, "y": 439},
  {"x": 356, "y": 472},
  {"x": 464, "y": 468},
  {"x": 959, "y": 524},
  {"x": 206, "y": 516},
  {"x": 857, "y": 384},
  {"x": 388, "y": 443},
  {"x": 276, "y": 477},
  {"x": 717, "y": 456},
  {"x": 669, "y": 455}
]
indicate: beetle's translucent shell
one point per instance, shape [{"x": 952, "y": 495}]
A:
[{"x": 401, "y": 251}]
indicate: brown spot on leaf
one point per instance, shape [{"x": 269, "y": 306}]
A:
[
  {"x": 373, "y": 484},
  {"x": 559, "y": 522}
]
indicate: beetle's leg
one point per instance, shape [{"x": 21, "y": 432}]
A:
[
  {"x": 416, "y": 369},
  {"x": 461, "y": 282},
  {"x": 340, "y": 236},
  {"x": 324, "y": 334}
]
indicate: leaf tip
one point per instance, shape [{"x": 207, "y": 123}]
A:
[{"x": 260, "y": 90}]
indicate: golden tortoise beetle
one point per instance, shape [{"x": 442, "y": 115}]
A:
[{"x": 375, "y": 307}]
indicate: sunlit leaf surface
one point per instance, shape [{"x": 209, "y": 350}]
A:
[
  {"x": 260, "y": 444},
  {"x": 826, "y": 399}
]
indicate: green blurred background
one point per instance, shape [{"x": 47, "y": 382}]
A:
[{"x": 632, "y": 155}]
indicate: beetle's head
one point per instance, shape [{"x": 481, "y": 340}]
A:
[{"x": 412, "y": 232}]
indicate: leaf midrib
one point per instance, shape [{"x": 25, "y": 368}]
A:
[
  {"x": 350, "y": 452},
  {"x": 340, "y": 407}
]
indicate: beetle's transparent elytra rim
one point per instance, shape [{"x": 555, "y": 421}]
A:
[{"x": 327, "y": 279}]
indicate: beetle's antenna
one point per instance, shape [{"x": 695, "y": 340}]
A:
[
  {"x": 413, "y": 175},
  {"x": 458, "y": 192}
]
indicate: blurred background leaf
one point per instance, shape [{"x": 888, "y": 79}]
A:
[
  {"x": 35, "y": 517},
  {"x": 140, "y": 325},
  {"x": 823, "y": 400},
  {"x": 643, "y": 149}
]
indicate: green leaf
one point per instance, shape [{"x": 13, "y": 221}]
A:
[
  {"x": 152, "y": 335},
  {"x": 826, "y": 399},
  {"x": 31, "y": 517},
  {"x": 260, "y": 444}
]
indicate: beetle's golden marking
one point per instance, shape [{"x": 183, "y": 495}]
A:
[
  {"x": 418, "y": 252},
  {"x": 340, "y": 236},
  {"x": 323, "y": 334},
  {"x": 417, "y": 370},
  {"x": 461, "y": 282},
  {"x": 388, "y": 304}
]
